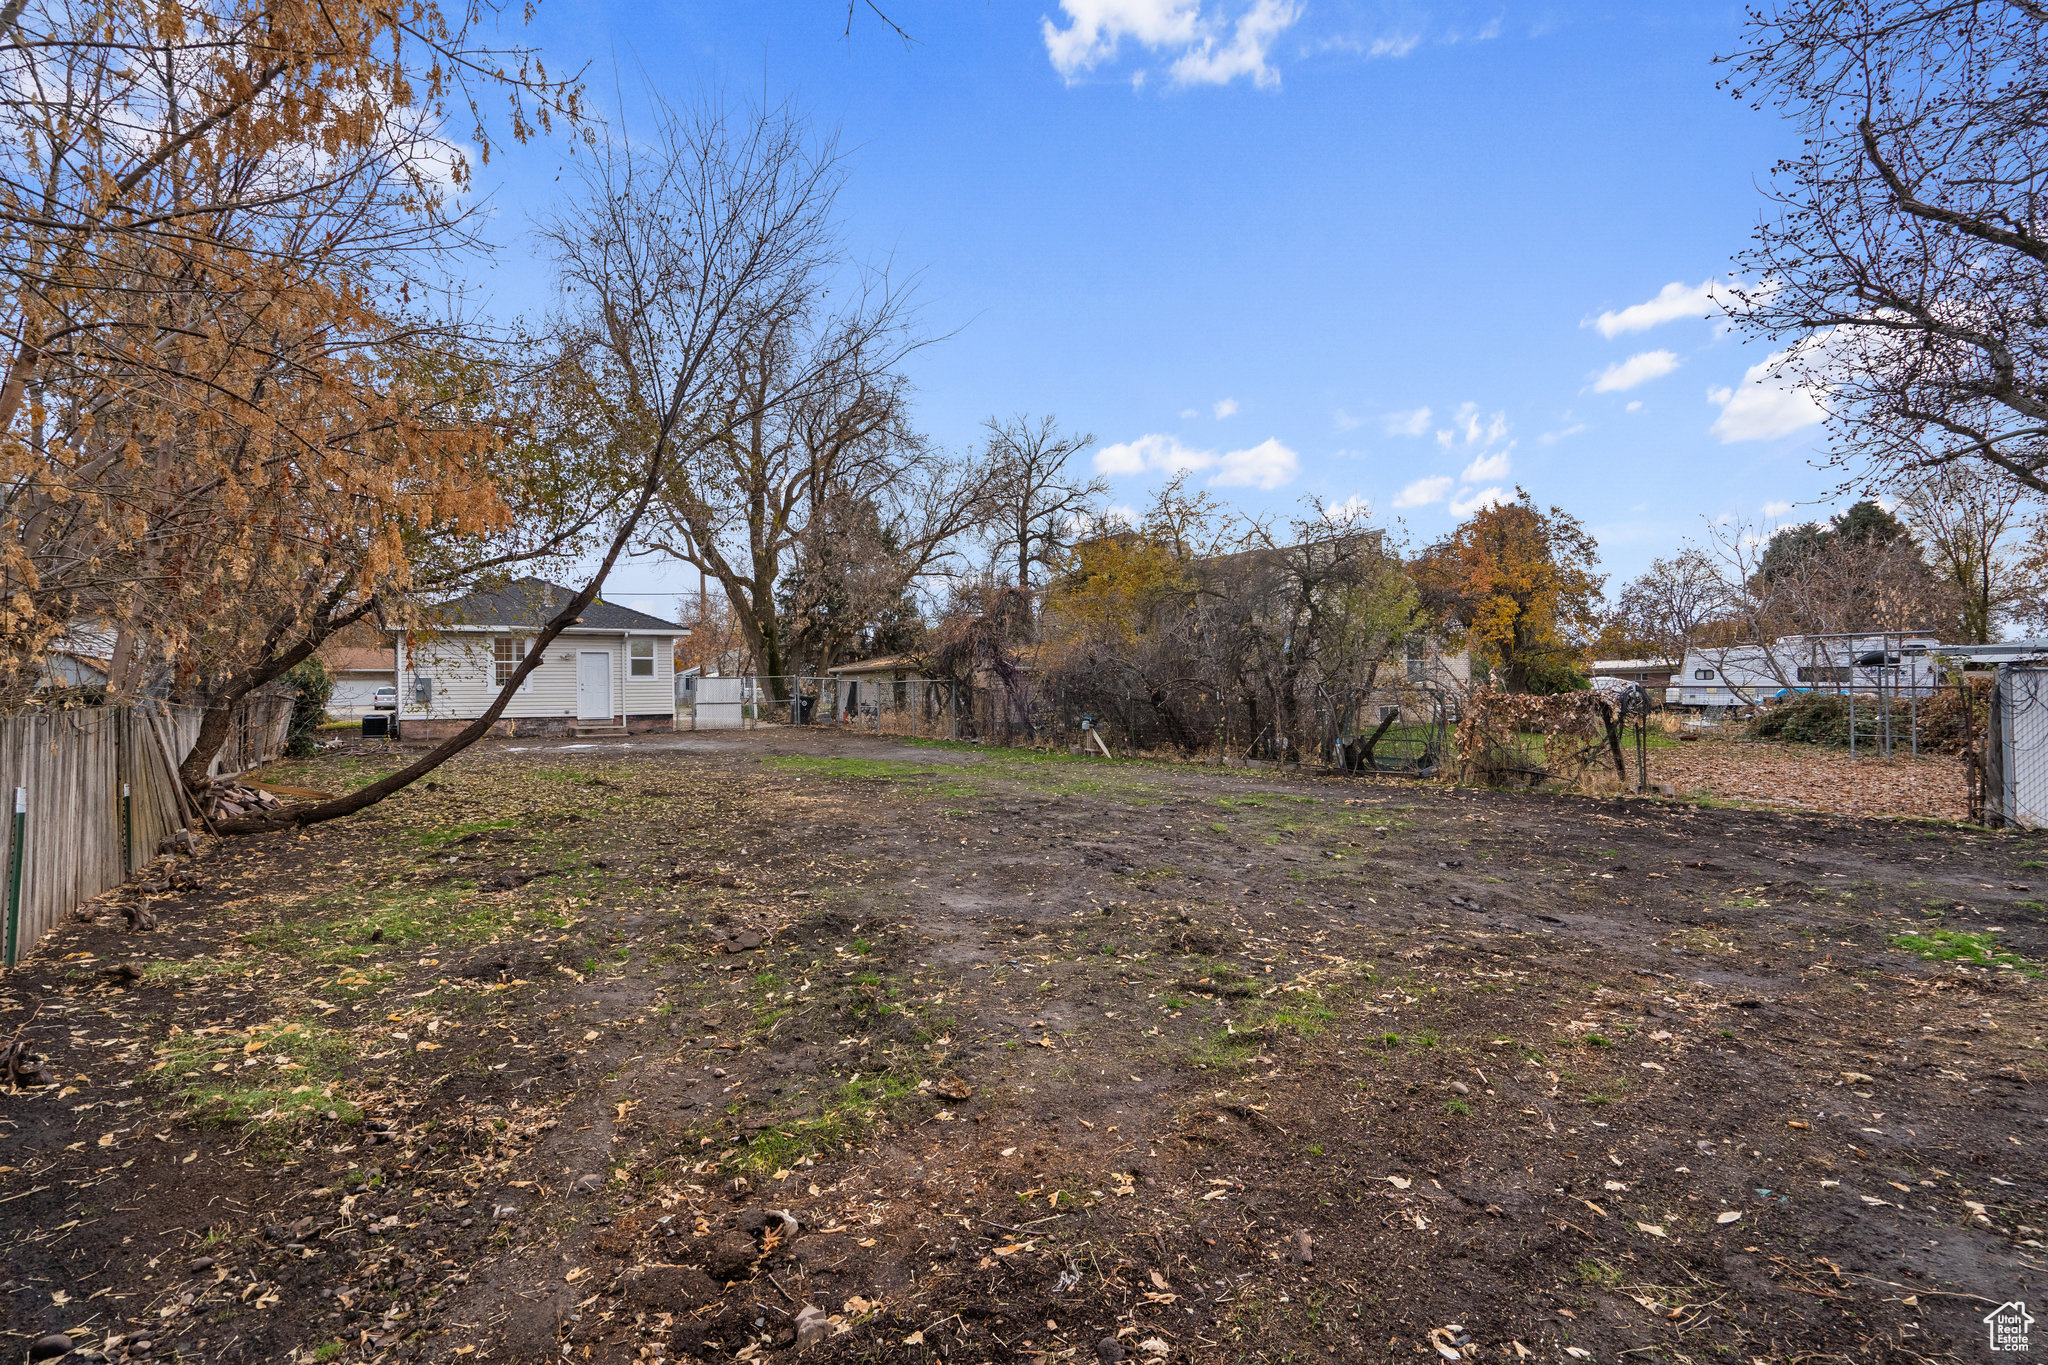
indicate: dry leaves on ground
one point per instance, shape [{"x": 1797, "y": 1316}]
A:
[{"x": 1807, "y": 777}]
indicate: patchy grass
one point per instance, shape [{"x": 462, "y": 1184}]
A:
[
  {"x": 272, "y": 1074},
  {"x": 357, "y": 926},
  {"x": 1957, "y": 945}
]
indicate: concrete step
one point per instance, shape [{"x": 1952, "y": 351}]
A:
[{"x": 598, "y": 731}]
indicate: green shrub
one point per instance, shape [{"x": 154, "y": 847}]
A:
[{"x": 311, "y": 688}]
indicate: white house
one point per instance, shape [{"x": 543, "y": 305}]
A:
[{"x": 612, "y": 672}]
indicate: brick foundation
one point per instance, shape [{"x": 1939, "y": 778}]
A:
[{"x": 526, "y": 727}]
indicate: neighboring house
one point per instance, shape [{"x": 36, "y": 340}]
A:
[
  {"x": 1429, "y": 675},
  {"x": 612, "y": 672},
  {"x": 357, "y": 672},
  {"x": 864, "y": 682},
  {"x": 73, "y": 668},
  {"x": 1654, "y": 675}
]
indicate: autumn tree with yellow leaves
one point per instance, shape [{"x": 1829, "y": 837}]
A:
[
  {"x": 232, "y": 418},
  {"x": 1521, "y": 581}
]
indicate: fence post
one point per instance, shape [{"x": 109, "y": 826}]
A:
[
  {"x": 14, "y": 861},
  {"x": 127, "y": 832}
]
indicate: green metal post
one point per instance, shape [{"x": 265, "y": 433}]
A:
[{"x": 14, "y": 875}]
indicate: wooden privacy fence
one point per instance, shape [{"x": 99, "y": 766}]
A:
[{"x": 89, "y": 793}]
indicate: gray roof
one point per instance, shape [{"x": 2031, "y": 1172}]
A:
[{"x": 530, "y": 603}]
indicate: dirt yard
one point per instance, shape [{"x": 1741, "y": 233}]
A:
[{"x": 778, "y": 1048}]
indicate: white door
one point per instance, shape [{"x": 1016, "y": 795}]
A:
[{"x": 594, "y": 684}]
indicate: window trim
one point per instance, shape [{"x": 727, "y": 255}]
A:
[{"x": 634, "y": 658}]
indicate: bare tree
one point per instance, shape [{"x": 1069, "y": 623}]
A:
[
  {"x": 1966, "y": 525},
  {"x": 680, "y": 239},
  {"x": 1668, "y": 606},
  {"x": 825, "y": 431},
  {"x": 1034, "y": 502},
  {"x": 1907, "y": 262}
]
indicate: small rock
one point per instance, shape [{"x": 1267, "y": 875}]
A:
[
  {"x": 199, "y": 1264},
  {"x": 50, "y": 1347},
  {"x": 1109, "y": 1350},
  {"x": 504, "y": 1213},
  {"x": 588, "y": 1183},
  {"x": 812, "y": 1326},
  {"x": 746, "y": 941},
  {"x": 1461, "y": 1087}
]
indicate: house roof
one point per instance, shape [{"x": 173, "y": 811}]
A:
[
  {"x": 350, "y": 659},
  {"x": 889, "y": 664},
  {"x": 531, "y": 602},
  {"x": 1641, "y": 665}
]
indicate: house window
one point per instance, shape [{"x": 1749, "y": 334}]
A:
[
  {"x": 641, "y": 664},
  {"x": 1390, "y": 713},
  {"x": 1703, "y": 674},
  {"x": 506, "y": 652}
]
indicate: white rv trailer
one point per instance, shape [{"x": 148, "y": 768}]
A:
[{"x": 1898, "y": 665}]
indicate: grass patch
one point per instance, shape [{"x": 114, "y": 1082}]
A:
[
  {"x": 853, "y": 1109},
  {"x": 386, "y": 918},
  {"x": 1957, "y": 945},
  {"x": 273, "y": 1074}
]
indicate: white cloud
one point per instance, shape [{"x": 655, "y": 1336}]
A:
[
  {"x": 1472, "y": 502},
  {"x": 1673, "y": 301},
  {"x": 1551, "y": 438},
  {"x": 1225, "y": 407},
  {"x": 1634, "y": 405},
  {"x": 1344, "y": 421},
  {"x": 1469, "y": 428},
  {"x": 1640, "y": 368},
  {"x": 1489, "y": 466},
  {"x": 1206, "y": 48},
  {"x": 1154, "y": 452},
  {"x": 1398, "y": 45},
  {"x": 1097, "y": 26},
  {"x": 1774, "y": 510},
  {"x": 1774, "y": 398},
  {"x": 1423, "y": 492},
  {"x": 1265, "y": 465},
  {"x": 1245, "y": 54},
  {"x": 1413, "y": 422},
  {"x": 1353, "y": 508}
]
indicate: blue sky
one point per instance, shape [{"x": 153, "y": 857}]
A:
[{"x": 1405, "y": 253}]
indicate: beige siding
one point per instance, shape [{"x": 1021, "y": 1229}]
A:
[
  {"x": 463, "y": 686},
  {"x": 655, "y": 696},
  {"x": 460, "y": 666}
]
